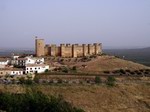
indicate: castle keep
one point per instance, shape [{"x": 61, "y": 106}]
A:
[{"x": 66, "y": 50}]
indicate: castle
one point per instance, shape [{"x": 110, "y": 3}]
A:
[{"x": 66, "y": 50}]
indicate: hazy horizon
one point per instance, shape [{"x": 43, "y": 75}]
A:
[
  {"x": 104, "y": 48},
  {"x": 114, "y": 23}
]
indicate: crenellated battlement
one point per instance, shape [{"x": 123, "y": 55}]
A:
[{"x": 67, "y": 50}]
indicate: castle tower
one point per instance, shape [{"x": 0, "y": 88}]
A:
[
  {"x": 84, "y": 49},
  {"x": 53, "y": 50},
  {"x": 97, "y": 48},
  {"x": 89, "y": 49},
  {"x": 74, "y": 50},
  {"x": 100, "y": 48},
  {"x": 39, "y": 47},
  {"x": 62, "y": 50}
]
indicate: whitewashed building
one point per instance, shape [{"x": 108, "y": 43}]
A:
[
  {"x": 13, "y": 57},
  {"x": 4, "y": 62},
  {"x": 22, "y": 62},
  {"x": 11, "y": 71},
  {"x": 36, "y": 68},
  {"x": 17, "y": 72}
]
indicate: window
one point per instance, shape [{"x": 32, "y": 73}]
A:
[
  {"x": 27, "y": 68},
  {"x": 1, "y": 72},
  {"x": 30, "y": 68},
  {"x": 35, "y": 68},
  {"x": 39, "y": 68}
]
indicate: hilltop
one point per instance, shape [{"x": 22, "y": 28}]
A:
[{"x": 97, "y": 64}]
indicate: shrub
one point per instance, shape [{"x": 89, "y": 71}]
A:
[
  {"x": 98, "y": 80},
  {"x": 61, "y": 60},
  {"x": 141, "y": 70},
  {"x": 35, "y": 102},
  {"x": 147, "y": 70},
  {"x": 93, "y": 56},
  {"x": 46, "y": 70},
  {"x": 116, "y": 71},
  {"x": 111, "y": 81},
  {"x": 146, "y": 73},
  {"x": 74, "y": 68},
  {"x": 128, "y": 71},
  {"x": 36, "y": 79},
  {"x": 139, "y": 73},
  {"x": 136, "y": 71},
  {"x": 106, "y": 72},
  {"x": 132, "y": 73},
  {"x": 122, "y": 71},
  {"x": 65, "y": 70},
  {"x": 60, "y": 81},
  {"x": 22, "y": 80},
  {"x": 28, "y": 82}
]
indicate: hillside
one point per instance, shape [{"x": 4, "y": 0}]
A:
[
  {"x": 126, "y": 96},
  {"x": 103, "y": 63},
  {"x": 111, "y": 63}
]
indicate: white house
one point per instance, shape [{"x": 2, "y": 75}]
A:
[
  {"x": 13, "y": 57},
  {"x": 11, "y": 71},
  {"x": 34, "y": 60},
  {"x": 4, "y": 62},
  {"x": 36, "y": 68},
  {"x": 27, "y": 60},
  {"x": 16, "y": 71}
]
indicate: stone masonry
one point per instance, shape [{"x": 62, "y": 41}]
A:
[{"x": 66, "y": 50}]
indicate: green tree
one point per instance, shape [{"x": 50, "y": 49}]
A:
[
  {"x": 74, "y": 68},
  {"x": 98, "y": 80},
  {"x": 35, "y": 102},
  {"x": 65, "y": 69},
  {"x": 46, "y": 70},
  {"x": 22, "y": 80},
  {"x": 111, "y": 81}
]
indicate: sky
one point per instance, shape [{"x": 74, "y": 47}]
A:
[{"x": 114, "y": 23}]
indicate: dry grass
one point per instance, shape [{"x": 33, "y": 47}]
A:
[
  {"x": 103, "y": 63},
  {"x": 125, "y": 97},
  {"x": 97, "y": 65}
]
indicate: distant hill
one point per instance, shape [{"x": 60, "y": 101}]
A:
[
  {"x": 141, "y": 55},
  {"x": 8, "y": 52},
  {"x": 147, "y": 48}
]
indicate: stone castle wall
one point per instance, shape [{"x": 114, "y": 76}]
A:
[{"x": 67, "y": 50}]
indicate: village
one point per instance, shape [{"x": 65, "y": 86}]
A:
[
  {"x": 24, "y": 65},
  {"x": 66, "y": 63},
  {"x": 21, "y": 66}
]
